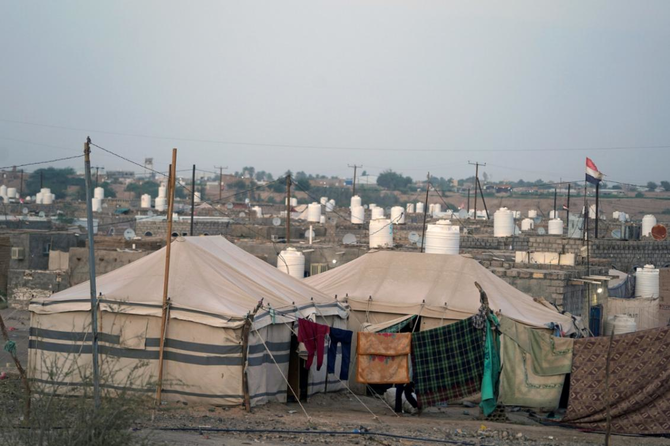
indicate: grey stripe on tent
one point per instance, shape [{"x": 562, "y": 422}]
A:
[
  {"x": 136, "y": 354},
  {"x": 74, "y": 336},
  {"x": 264, "y": 394},
  {"x": 134, "y": 389},
  {"x": 267, "y": 359},
  {"x": 312, "y": 384},
  {"x": 273, "y": 346}
]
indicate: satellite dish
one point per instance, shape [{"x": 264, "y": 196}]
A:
[
  {"x": 414, "y": 237},
  {"x": 537, "y": 220},
  {"x": 24, "y": 211},
  {"x": 276, "y": 221},
  {"x": 541, "y": 231},
  {"x": 616, "y": 233},
  {"x": 462, "y": 214},
  {"x": 129, "y": 234},
  {"x": 659, "y": 232},
  {"x": 246, "y": 200},
  {"x": 242, "y": 215},
  {"x": 42, "y": 214},
  {"x": 307, "y": 234},
  {"x": 230, "y": 205},
  {"x": 349, "y": 239}
]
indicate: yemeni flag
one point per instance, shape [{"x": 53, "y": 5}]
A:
[{"x": 593, "y": 175}]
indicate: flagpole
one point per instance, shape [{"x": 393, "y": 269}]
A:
[{"x": 597, "y": 196}]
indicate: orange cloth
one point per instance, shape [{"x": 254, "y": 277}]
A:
[{"x": 383, "y": 358}]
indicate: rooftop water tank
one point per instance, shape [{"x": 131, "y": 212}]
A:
[
  {"x": 647, "y": 282},
  {"x": 592, "y": 211},
  {"x": 503, "y": 223},
  {"x": 398, "y": 215},
  {"x": 96, "y": 204},
  {"x": 431, "y": 208},
  {"x": 322, "y": 219},
  {"x": 161, "y": 204},
  {"x": 355, "y": 201},
  {"x": 258, "y": 210},
  {"x": 532, "y": 213},
  {"x": 357, "y": 215},
  {"x": 162, "y": 191},
  {"x": 556, "y": 226},
  {"x": 323, "y": 200},
  {"x": 527, "y": 224},
  {"x": 99, "y": 192},
  {"x": 648, "y": 222},
  {"x": 294, "y": 201},
  {"x": 145, "y": 201},
  {"x": 372, "y": 206},
  {"x": 442, "y": 238},
  {"x": 517, "y": 214},
  {"x": 38, "y": 198},
  {"x": 47, "y": 198},
  {"x": 437, "y": 209},
  {"x": 381, "y": 233},
  {"x": 11, "y": 192},
  {"x": 314, "y": 212},
  {"x": 419, "y": 208},
  {"x": 197, "y": 197},
  {"x": 615, "y": 215},
  {"x": 330, "y": 206},
  {"x": 377, "y": 212},
  {"x": 3, "y": 191},
  {"x": 292, "y": 262},
  {"x": 410, "y": 208}
]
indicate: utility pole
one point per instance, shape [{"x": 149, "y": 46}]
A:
[
  {"x": 221, "y": 169},
  {"x": 425, "y": 213},
  {"x": 288, "y": 209},
  {"x": 355, "y": 167},
  {"x": 468, "y": 207},
  {"x": 41, "y": 179},
  {"x": 567, "y": 211},
  {"x": 91, "y": 269},
  {"x": 21, "y": 186},
  {"x": 97, "y": 174},
  {"x": 555, "y": 196},
  {"x": 477, "y": 164},
  {"x": 192, "y": 199}
]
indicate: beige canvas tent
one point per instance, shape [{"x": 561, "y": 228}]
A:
[
  {"x": 385, "y": 287},
  {"x": 213, "y": 287}
]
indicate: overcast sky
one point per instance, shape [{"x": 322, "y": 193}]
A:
[{"x": 433, "y": 83}]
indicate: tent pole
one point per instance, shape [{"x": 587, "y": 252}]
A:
[
  {"x": 246, "y": 330},
  {"x": 171, "y": 187},
  {"x": 425, "y": 211}
]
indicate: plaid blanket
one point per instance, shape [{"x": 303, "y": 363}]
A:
[
  {"x": 448, "y": 362},
  {"x": 639, "y": 383}
]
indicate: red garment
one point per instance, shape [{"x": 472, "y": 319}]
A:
[{"x": 314, "y": 337}]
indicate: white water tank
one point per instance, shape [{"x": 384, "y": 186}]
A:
[
  {"x": 322, "y": 219},
  {"x": 323, "y": 200},
  {"x": 38, "y": 198},
  {"x": 357, "y": 215},
  {"x": 3, "y": 191},
  {"x": 99, "y": 192},
  {"x": 48, "y": 198},
  {"x": 410, "y": 208},
  {"x": 647, "y": 282},
  {"x": 648, "y": 222},
  {"x": 197, "y": 197},
  {"x": 11, "y": 192},
  {"x": 431, "y": 208},
  {"x": 615, "y": 215},
  {"x": 372, "y": 206},
  {"x": 553, "y": 214},
  {"x": 442, "y": 238},
  {"x": 527, "y": 224},
  {"x": 556, "y": 226},
  {"x": 398, "y": 215},
  {"x": 162, "y": 191},
  {"x": 314, "y": 212},
  {"x": 381, "y": 233},
  {"x": 96, "y": 204},
  {"x": 355, "y": 201},
  {"x": 419, "y": 208},
  {"x": 377, "y": 212},
  {"x": 437, "y": 209},
  {"x": 330, "y": 206},
  {"x": 258, "y": 210},
  {"x": 532, "y": 213},
  {"x": 292, "y": 262},
  {"x": 503, "y": 223},
  {"x": 294, "y": 201},
  {"x": 161, "y": 204},
  {"x": 145, "y": 201}
]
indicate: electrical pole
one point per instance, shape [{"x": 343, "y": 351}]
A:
[
  {"x": 97, "y": 174},
  {"x": 21, "y": 186},
  {"x": 355, "y": 167},
  {"x": 192, "y": 199},
  {"x": 477, "y": 164},
  {"x": 468, "y": 208},
  {"x": 425, "y": 213},
  {"x": 288, "y": 209},
  {"x": 42, "y": 179},
  {"x": 91, "y": 269},
  {"x": 221, "y": 169},
  {"x": 555, "y": 196},
  {"x": 567, "y": 211}
]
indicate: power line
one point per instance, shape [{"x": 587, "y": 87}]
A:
[
  {"x": 357, "y": 148},
  {"x": 42, "y": 162}
]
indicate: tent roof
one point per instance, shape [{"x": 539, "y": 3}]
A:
[
  {"x": 208, "y": 275},
  {"x": 434, "y": 285}
]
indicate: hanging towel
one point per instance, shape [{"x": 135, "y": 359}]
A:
[
  {"x": 448, "y": 362},
  {"x": 383, "y": 358},
  {"x": 491, "y": 377},
  {"x": 313, "y": 335},
  {"x": 342, "y": 337}
]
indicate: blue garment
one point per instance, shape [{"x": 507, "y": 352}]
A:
[{"x": 343, "y": 337}]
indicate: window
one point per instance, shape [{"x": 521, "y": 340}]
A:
[{"x": 46, "y": 248}]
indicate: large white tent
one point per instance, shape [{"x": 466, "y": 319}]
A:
[
  {"x": 213, "y": 287},
  {"x": 384, "y": 286}
]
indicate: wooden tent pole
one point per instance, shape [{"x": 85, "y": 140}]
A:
[
  {"x": 246, "y": 330},
  {"x": 166, "y": 280}
]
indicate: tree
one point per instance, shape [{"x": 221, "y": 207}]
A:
[
  {"x": 652, "y": 186},
  {"x": 665, "y": 185},
  {"x": 238, "y": 185},
  {"x": 145, "y": 187},
  {"x": 303, "y": 184},
  {"x": 57, "y": 180},
  {"x": 393, "y": 181}
]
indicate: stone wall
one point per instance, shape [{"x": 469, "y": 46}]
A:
[
  {"x": 24, "y": 285},
  {"x": 105, "y": 261}
]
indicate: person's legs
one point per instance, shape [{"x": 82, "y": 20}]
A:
[{"x": 398, "y": 397}]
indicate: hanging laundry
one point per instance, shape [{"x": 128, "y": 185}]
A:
[
  {"x": 531, "y": 377},
  {"x": 313, "y": 336},
  {"x": 342, "y": 337},
  {"x": 383, "y": 358},
  {"x": 447, "y": 362},
  {"x": 491, "y": 379},
  {"x": 639, "y": 383}
]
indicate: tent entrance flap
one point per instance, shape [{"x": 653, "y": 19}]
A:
[{"x": 393, "y": 325}]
